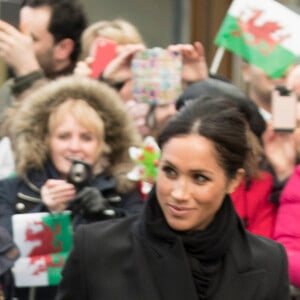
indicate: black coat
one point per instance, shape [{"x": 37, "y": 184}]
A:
[
  {"x": 23, "y": 196},
  {"x": 113, "y": 260}
]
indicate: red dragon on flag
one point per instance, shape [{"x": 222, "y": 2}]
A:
[
  {"x": 263, "y": 32},
  {"x": 260, "y": 34},
  {"x": 47, "y": 244},
  {"x": 44, "y": 241}
]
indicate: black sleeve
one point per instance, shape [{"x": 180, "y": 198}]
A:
[
  {"x": 73, "y": 285},
  {"x": 283, "y": 285},
  {"x": 132, "y": 203},
  {"x": 8, "y": 191},
  {"x": 22, "y": 83}
]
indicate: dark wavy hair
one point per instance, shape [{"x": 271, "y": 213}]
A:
[{"x": 68, "y": 20}]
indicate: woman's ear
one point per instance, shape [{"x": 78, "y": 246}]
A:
[{"x": 235, "y": 182}]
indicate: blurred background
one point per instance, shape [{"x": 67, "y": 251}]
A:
[{"x": 164, "y": 22}]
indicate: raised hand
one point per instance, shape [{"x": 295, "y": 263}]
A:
[
  {"x": 280, "y": 150},
  {"x": 119, "y": 69},
  {"x": 57, "y": 193},
  {"x": 83, "y": 67},
  {"x": 16, "y": 49},
  {"x": 194, "y": 66}
]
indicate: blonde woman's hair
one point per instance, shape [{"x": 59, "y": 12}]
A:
[
  {"x": 79, "y": 109},
  {"x": 118, "y": 30},
  {"x": 30, "y": 125}
]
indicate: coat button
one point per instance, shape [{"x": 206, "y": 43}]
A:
[{"x": 20, "y": 206}]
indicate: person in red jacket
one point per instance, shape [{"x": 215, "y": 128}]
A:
[{"x": 251, "y": 201}]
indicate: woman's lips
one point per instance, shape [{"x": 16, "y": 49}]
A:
[
  {"x": 179, "y": 211},
  {"x": 73, "y": 158}
]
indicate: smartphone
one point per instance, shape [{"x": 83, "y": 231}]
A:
[
  {"x": 9, "y": 11},
  {"x": 156, "y": 76},
  {"x": 284, "y": 109},
  {"x": 104, "y": 53}
]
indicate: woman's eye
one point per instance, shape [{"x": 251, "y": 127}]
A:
[
  {"x": 169, "y": 171},
  {"x": 63, "y": 136},
  {"x": 199, "y": 178},
  {"x": 87, "y": 137}
]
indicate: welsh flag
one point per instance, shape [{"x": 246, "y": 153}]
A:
[
  {"x": 44, "y": 241},
  {"x": 264, "y": 32}
]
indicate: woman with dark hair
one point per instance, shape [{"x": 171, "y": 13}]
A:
[
  {"x": 251, "y": 199},
  {"x": 188, "y": 243}
]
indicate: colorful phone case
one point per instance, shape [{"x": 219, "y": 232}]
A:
[{"x": 156, "y": 76}]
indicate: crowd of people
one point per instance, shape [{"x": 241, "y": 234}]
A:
[{"x": 221, "y": 218}]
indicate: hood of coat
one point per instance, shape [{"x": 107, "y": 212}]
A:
[{"x": 29, "y": 129}]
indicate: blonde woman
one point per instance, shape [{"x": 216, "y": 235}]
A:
[
  {"x": 118, "y": 30},
  {"x": 71, "y": 118}
]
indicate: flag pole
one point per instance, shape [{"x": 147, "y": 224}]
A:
[
  {"x": 217, "y": 60},
  {"x": 32, "y": 293}
]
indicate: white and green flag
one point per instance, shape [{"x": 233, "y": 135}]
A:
[
  {"x": 44, "y": 241},
  {"x": 264, "y": 32}
]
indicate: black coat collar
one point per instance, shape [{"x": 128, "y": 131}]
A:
[{"x": 172, "y": 277}]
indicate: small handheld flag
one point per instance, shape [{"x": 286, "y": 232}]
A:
[
  {"x": 44, "y": 241},
  {"x": 265, "y": 33},
  {"x": 146, "y": 159}
]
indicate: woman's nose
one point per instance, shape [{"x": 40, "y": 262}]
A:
[
  {"x": 74, "y": 144},
  {"x": 180, "y": 191}
]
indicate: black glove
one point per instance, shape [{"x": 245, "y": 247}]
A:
[{"x": 90, "y": 203}]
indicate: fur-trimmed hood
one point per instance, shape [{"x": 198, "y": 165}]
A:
[{"x": 29, "y": 126}]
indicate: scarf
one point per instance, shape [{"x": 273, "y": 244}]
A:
[{"x": 204, "y": 248}]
